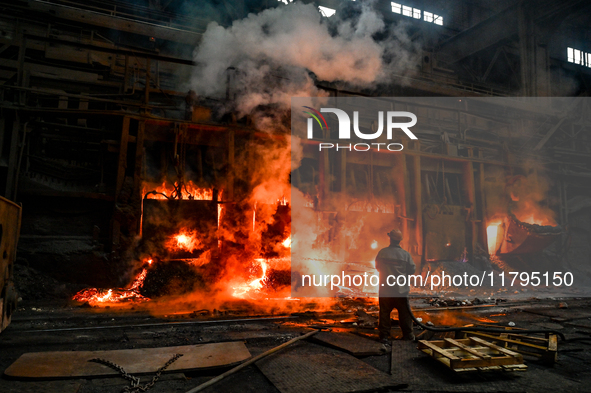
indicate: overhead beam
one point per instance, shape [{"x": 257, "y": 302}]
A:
[
  {"x": 481, "y": 36},
  {"x": 502, "y": 26},
  {"x": 113, "y": 22},
  {"x": 549, "y": 134}
]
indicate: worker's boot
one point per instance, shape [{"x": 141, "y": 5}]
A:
[
  {"x": 384, "y": 339},
  {"x": 409, "y": 337}
]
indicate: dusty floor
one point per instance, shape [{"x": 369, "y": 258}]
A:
[{"x": 58, "y": 326}]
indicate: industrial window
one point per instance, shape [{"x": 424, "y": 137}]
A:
[
  {"x": 416, "y": 13},
  {"x": 577, "y": 56},
  {"x": 326, "y": 12},
  {"x": 406, "y": 10}
]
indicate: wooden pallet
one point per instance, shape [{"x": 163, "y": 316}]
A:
[
  {"x": 472, "y": 354},
  {"x": 544, "y": 348}
]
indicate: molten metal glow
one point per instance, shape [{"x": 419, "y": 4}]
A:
[
  {"x": 96, "y": 296},
  {"x": 185, "y": 240},
  {"x": 287, "y": 242},
  {"x": 254, "y": 216},
  {"x": 374, "y": 244},
  {"x": 491, "y": 237},
  {"x": 531, "y": 212},
  {"x": 535, "y": 219},
  {"x": 241, "y": 291},
  {"x": 485, "y": 320}
]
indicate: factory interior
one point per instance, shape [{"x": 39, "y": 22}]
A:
[{"x": 161, "y": 206}]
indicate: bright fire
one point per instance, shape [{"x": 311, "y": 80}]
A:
[
  {"x": 255, "y": 285},
  {"x": 287, "y": 242},
  {"x": 187, "y": 191},
  {"x": 185, "y": 240},
  {"x": 531, "y": 212},
  {"x": 374, "y": 244},
  {"x": 96, "y": 296},
  {"x": 492, "y": 230},
  {"x": 535, "y": 219}
]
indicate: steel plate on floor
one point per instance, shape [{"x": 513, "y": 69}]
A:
[
  {"x": 42, "y": 365},
  {"x": 351, "y": 343},
  {"x": 306, "y": 367}
]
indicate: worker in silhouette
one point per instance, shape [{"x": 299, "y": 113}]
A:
[{"x": 393, "y": 261}]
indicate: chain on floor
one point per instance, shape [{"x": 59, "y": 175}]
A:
[{"x": 135, "y": 381}]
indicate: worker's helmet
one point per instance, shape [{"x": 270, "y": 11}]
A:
[{"x": 395, "y": 234}]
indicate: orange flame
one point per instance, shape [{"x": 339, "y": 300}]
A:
[
  {"x": 287, "y": 242},
  {"x": 533, "y": 218},
  {"x": 240, "y": 291},
  {"x": 96, "y": 296},
  {"x": 188, "y": 191},
  {"x": 185, "y": 240}
]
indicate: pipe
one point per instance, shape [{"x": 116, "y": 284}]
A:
[
  {"x": 20, "y": 159},
  {"x": 161, "y": 324},
  {"x": 251, "y": 361}
]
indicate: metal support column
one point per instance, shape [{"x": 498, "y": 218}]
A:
[
  {"x": 400, "y": 180},
  {"x": 468, "y": 175},
  {"x": 147, "y": 90},
  {"x": 139, "y": 156},
  {"x": 122, "y": 162},
  {"x": 417, "y": 205},
  {"x": 11, "y": 177},
  {"x": 230, "y": 186},
  {"x": 343, "y": 172},
  {"x": 481, "y": 208},
  {"x": 323, "y": 178}
]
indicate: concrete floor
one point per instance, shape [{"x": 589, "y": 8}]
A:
[{"x": 413, "y": 370}]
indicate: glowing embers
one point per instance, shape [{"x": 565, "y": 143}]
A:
[
  {"x": 187, "y": 191},
  {"x": 180, "y": 229},
  {"x": 247, "y": 289},
  {"x": 185, "y": 240},
  {"x": 264, "y": 278},
  {"x": 99, "y": 296},
  {"x": 535, "y": 218}
]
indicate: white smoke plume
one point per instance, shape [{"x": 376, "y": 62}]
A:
[{"x": 270, "y": 55}]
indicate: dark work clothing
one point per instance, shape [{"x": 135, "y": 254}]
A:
[
  {"x": 387, "y": 304},
  {"x": 394, "y": 261}
]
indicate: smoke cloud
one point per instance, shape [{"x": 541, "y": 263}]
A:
[{"x": 272, "y": 56}]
